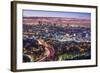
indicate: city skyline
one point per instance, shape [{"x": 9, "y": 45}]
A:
[{"x": 56, "y": 36}]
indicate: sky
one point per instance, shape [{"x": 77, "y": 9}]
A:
[{"x": 31, "y": 13}]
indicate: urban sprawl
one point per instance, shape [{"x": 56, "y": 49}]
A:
[{"x": 56, "y": 39}]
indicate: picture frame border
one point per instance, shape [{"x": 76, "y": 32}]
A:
[{"x": 14, "y": 35}]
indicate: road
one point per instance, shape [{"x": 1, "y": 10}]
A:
[{"x": 49, "y": 52}]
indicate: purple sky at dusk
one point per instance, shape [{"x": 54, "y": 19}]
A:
[{"x": 31, "y": 13}]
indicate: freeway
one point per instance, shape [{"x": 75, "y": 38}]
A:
[{"x": 49, "y": 51}]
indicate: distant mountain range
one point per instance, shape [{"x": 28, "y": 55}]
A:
[{"x": 57, "y": 20}]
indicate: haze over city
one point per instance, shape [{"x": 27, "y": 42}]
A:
[
  {"x": 31, "y": 13},
  {"x": 64, "y": 18}
]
